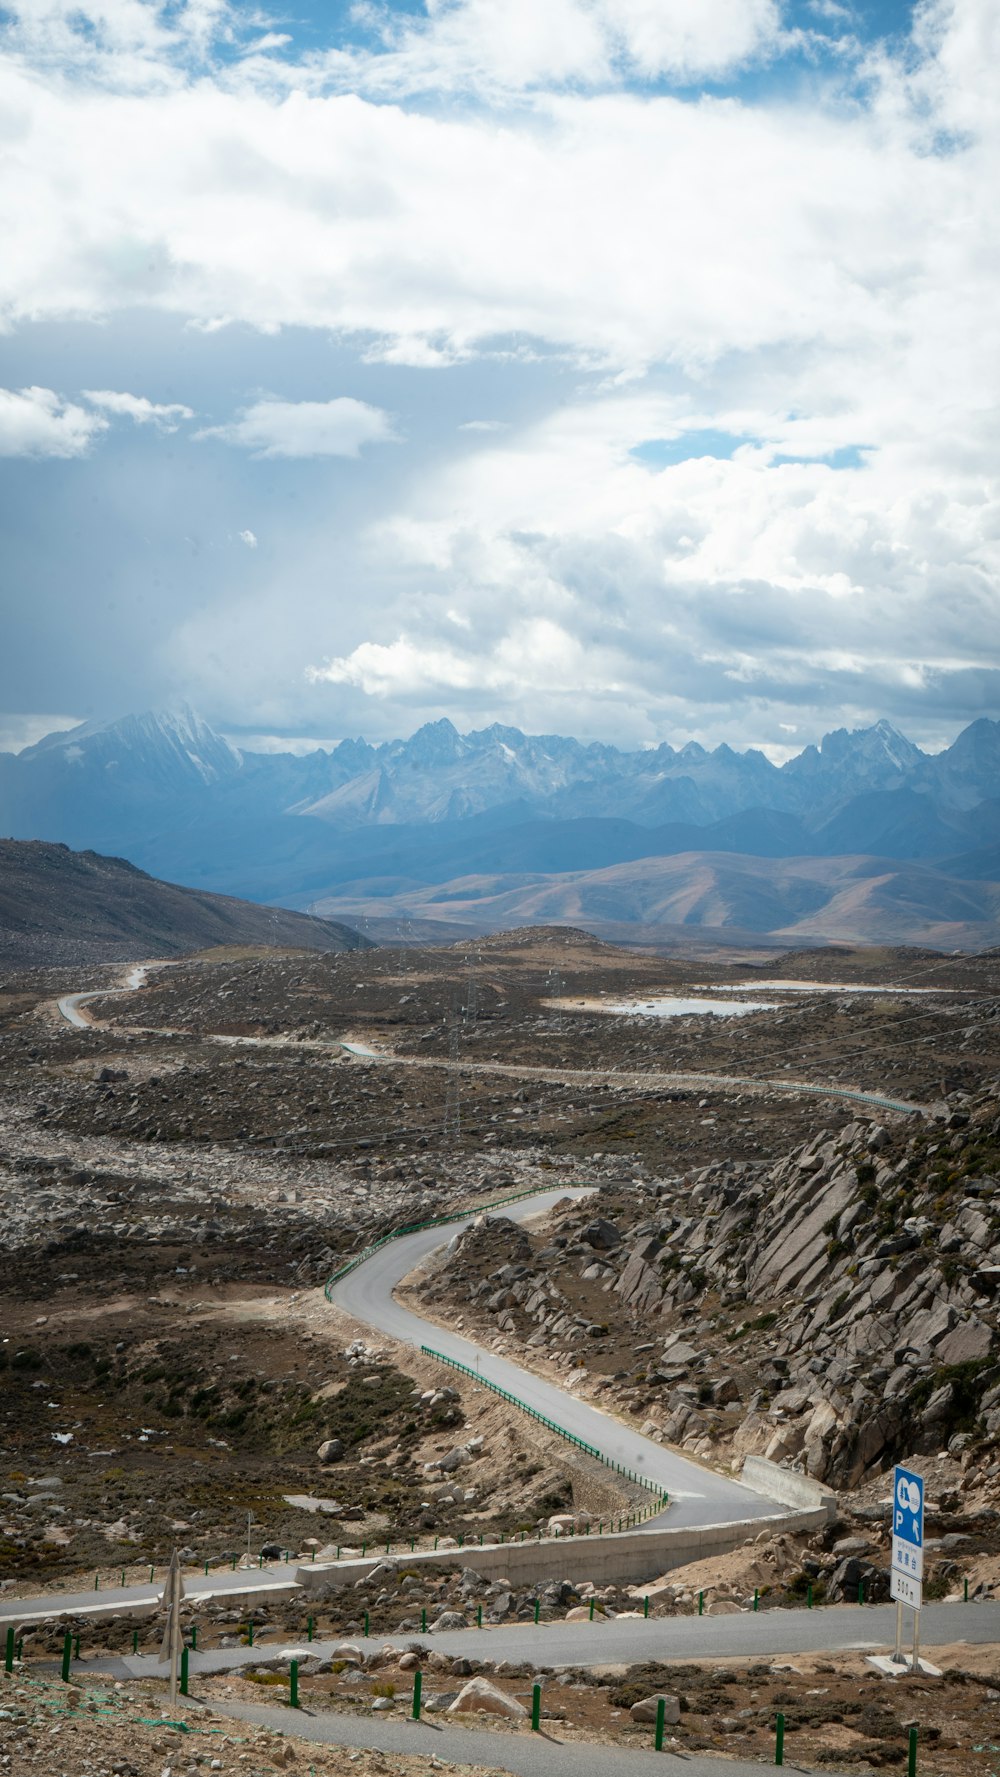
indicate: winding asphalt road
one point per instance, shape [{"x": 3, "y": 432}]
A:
[{"x": 698, "y": 1496}]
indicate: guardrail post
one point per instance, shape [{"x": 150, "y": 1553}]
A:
[
  {"x": 536, "y": 1707},
  {"x": 417, "y": 1685},
  {"x": 779, "y": 1740},
  {"x": 293, "y": 1685},
  {"x": 661, "y": 1715}
]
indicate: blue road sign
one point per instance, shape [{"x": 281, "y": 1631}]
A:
[{"x": 908, "y": 1508}]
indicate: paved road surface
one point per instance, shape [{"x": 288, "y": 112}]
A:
[
  {"x": 698, "y": 1495},
  {"x": 631, "y": 1640},
  {"x": 522, "y": 1752}
]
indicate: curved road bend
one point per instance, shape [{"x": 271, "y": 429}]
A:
[{"x": 698, "y": 1496}]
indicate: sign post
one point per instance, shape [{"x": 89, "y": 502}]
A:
[{"x": 907, "y": 1574}]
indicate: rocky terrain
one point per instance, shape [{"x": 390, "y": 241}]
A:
[
  {"x": 57, "y": 904},
  {"x": 835, "y": 1310},
  {"x": 756, "y": 1272}
]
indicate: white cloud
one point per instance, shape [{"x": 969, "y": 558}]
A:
[
  {"x": 164, "y": 415},
  {"x": 337, "y": 428},
  {"x": 509, "y": 45},
  {"x": 39, "y": 423},
  {"x": 483, "y": 426},
  {"x": 249, "y": 539}
]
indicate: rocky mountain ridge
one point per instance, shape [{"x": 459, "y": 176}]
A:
[{"x": 830, "y": 1312}]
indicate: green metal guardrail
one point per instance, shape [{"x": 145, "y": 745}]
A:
[{"x": 550, "y": 1425}]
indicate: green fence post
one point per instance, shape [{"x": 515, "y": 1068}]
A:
[
  {"x": 151, "y": 1573},
  {"x": 701, "y": 1604},
  {"x": 67, "y": 1655},
  {"x": 479, "y": 1616},
  {"x": 417, "y": 1686},
  {"x": 309, "y": 1628},
  {"x": 779, "y": 1740},
  {"x": 911, "y": 1757},
  {"x": 645, "y": 1605},
  {"x": 234, "y": 1566},
  {"x": 8, "y": 1658},
  {"x": 97, "y": 1582},
  {"x": 537, "y": 1608},
  {"x": 591, "y": 1610},
  {"x": 965, "y": 1583},
  {"x": 363, "y": 1548},
  {"x": 413, "y": 1544},
  {"x": 366, "y": 1622},
  {"x": 423, "y": 1622},
  {"x": 249, "y": 1635},
  {"x": 123, "y": 1574},
  {"x": 184, "y": 1671},
  {"x": 435, "y": 1542},
  {"x": 338, "y": 1551},
  {"x": 661, "y": 1715},
  {"x": 135, "y": 1641},
  {"x": 536, "y": 1707},
  {"x": 293, "y": 1685},
  {"x": 313, "y": 1555}
]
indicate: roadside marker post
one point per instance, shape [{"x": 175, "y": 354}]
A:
[
  {"x": 417, "y": 1686},
  {"x": 661, "y": 1715},
  {"x": 779, "y": 1740},
  {"x": 536, "y": 1707}
]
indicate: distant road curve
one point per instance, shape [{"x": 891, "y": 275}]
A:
[
  {"x": 642, "y": 1079},
  {"x": 69, "y": 1006}
]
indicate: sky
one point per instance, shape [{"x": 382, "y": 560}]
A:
[{"x": 620, "y": 368}]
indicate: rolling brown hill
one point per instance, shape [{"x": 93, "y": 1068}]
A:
[
  {"x": 860, "y": 900},
  {"x": 59, "y": 906}
]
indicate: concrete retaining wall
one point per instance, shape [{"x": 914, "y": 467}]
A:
[
  {"x": 628, "y": 1557},
  {"x": 788, "y": 1486}
]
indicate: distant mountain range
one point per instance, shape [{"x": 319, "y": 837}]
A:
[
  {"x": 58, "y": 905},
  {"x": 369, "y": 827}
]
